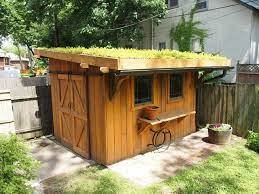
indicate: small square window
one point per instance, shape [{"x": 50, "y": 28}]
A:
[
  {"x": 143, "y": 89},
  {"x": 201, "y": 5},
  {"x": 176, "y": 85},
  {"x": 196, "y": 45},
  {"x": 162, "y": 45},
  {"x": 173, "y": 3}
]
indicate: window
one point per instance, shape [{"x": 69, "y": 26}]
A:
[
  {"x": 196, "y": 45},
  {"x": 143, "y": 89},
  {"x": 176, "y": 85},
  {"x": 162, "y": 45},
  {"x": 201, "y": 5},
  {"x": 173, "y": 3}
]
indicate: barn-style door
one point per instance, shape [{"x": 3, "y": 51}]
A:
[{"x": 73, "y": 113}]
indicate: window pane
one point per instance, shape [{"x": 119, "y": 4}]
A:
[
  {"x": 176, "y": 85},
  {"x": 201, "y": 4},
  {"x": 173, "y": 3},
  {"x": 162, "y": 45},
  {"x": 143, "y": 89}
]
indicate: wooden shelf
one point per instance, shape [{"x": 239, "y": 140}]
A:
[{"x": 162, "y": 118}]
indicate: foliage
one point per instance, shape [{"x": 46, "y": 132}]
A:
[
  {"x": 134, "y": 53},
  {"x": 14, "y": 49},
  {"x": 253, "y": 141},
  {"x": 41, "y": 63},
  {"x": 17, "y": 166},
  {"x": 220, "y": 127},
  {"x": 207, "y": 77},
  {"x": 76, "y": 23},
  {"x": 235, "y": 170},
  {"x": 95, "y": 179},
  {"x": 16, "y": 22},
  {"x": 40, "y": 68},
  {"x": 186, "y": 30}
]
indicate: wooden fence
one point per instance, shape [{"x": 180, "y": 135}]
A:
[
  {"x": 6, "y": 113},
  {"x": 248, "y": 73},
  {"x": 31, "y": 105},
  {"x": 236, "y": 104}
]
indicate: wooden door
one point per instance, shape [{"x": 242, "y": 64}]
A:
[
  {"x": 73, "y": 113},
  {"x": 65, "y": 119},
  {"x": 79, "y": 115}
]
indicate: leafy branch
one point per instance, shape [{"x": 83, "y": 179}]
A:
[{"x": 186, "y": 30}]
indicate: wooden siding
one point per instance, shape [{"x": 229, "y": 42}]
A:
[
  {"x": 96, "y": 91},
  {"x": 122, "y": 139},
  {"x": 113, "y": 124}
]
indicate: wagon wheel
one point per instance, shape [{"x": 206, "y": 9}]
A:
[{"x": 156, "y": 144}]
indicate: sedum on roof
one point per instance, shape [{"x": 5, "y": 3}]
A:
[
  {"x": 134, "y": 53},
  {"x": 134, "y": 59}
]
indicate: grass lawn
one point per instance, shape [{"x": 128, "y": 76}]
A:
[{"x": 234, "y": 170}]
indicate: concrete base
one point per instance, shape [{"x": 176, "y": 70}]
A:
[
  {"x": 156, "y": 166},
  {"x": 55, "y": 159}
]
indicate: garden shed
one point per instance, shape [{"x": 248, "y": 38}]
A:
[{"x": 99, "y": 95}]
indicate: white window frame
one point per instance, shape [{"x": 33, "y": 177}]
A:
[
  {"x": 196, "y": 41},
  {"x": 202, "y": 1}
]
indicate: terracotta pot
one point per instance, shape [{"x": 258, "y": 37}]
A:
[
  {"x": 219, "y": 137},
  {"x": 151, "y": 112}
]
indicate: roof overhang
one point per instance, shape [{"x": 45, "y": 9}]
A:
[
  {"x": 251, "y": 4},
  {"x": 177, "y": 70},
  {"x": 124, "y": 65}
]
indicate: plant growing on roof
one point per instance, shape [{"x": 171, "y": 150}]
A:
[{"x": 186, "y": 30}]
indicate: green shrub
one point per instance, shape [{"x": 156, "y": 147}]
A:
[
  {"x": 17, "y": 166},
  {"x": 253, "y": 141}
]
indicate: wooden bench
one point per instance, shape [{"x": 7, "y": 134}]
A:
[{"x": 164, "y": 117}]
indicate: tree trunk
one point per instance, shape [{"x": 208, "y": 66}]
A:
[
  {"x": 30, "y": 53},
  {"x": 56, "y": 31},
  {"x": 20, "y": 58}
]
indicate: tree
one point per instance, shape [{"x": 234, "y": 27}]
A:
[
  {"x": 186, "y": 30},
  {"x": 54, "y": 23},
  {"x": 17, "y": 166}
]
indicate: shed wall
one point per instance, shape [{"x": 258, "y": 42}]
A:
[
  {"x": 113, "y": 123},
  {"x": 122, "y": 139}
]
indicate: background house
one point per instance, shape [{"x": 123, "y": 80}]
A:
[
  {"x": 233, "y": 27},
  {"x": 16, "y": 62},
  {"x": 4, "y": 59}
]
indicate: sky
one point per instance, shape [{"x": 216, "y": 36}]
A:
[{"x": 7, "y": 42}]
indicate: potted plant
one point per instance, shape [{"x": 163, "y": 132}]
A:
[
  {"x": 219, "y": 133},
  {"x": 151, "y": 112}
]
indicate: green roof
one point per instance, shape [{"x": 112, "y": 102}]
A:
[{"x": 135, "y": 53}]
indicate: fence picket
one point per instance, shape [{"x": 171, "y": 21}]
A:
[{"x": 237, "y": 105}]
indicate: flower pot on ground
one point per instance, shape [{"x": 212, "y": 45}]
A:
[
  {"x": 219, "y": 133},
  {"x": 151, "y": 112}
]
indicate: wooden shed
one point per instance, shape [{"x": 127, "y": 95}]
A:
[{"x": 98, "y": 101}]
